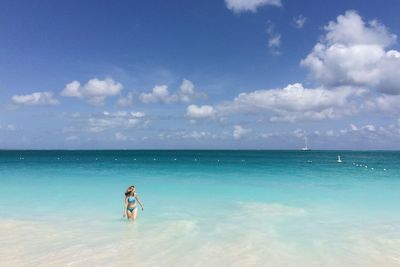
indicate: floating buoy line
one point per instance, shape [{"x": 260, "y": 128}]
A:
[
  {"x": 360, "y": 165},
  {"x": 366, "y": 166}
]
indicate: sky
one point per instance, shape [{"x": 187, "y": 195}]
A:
[{"x": 213, "y": 74}]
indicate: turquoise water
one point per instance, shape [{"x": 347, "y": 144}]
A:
[{"x": 202, "y": 208}]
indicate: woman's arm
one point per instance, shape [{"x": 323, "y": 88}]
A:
[
  {"x": 125, "y": 206},
  {"x": 138, "y": 200}
]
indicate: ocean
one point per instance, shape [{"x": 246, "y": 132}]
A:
[{"x": 201, "y": 208}]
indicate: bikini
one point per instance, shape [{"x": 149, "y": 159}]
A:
[{"x": 131, "y": 200}]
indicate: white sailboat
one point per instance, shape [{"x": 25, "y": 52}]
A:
[
  {"x": 306, "y": 148},
  {"x": 339, "y": 160}
]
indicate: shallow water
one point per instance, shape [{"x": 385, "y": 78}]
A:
[{"x": 202, "y": 208}]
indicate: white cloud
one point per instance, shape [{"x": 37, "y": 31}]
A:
[
  {"x": 239, "y": 131},
  {"x": 299, "y": 21},
  {"x": 299, "y": 133},
  {"x": 200, "y": 112},
  {"x": 95, "y": 91},
  {"x": 366, "y": 132},
  {"x": 389, "y": 104},
  {"x": 161, "y": 94},
  {"x": 75, "y": 115},
  {"x": 71, "y": 138},
  {"x": 317, "y": 133},
  {"x": 194, "y": 135},
  {"x": 125, "y": 101},
  {"x": 353, "y": 127},
  {"x": 274, "y": 39},
  {"x": 37, "y": 98},
  {"x": 186, "y": 91},
  {"x": 9, "y": 127},
  {"x": 115, "y": 120},
  {"x": 354, "y": 53},
  {"x": 138, "y": 114},
  {"x": 369, "y": 127},
  {"x": 330, "y": 133},
  {"x": 73, "y": 89},
  {"x": 120, "y": 137},
  {"x": 295, "y": 102},
  {"x": 238, "y": 6},
  {"x": 350, "y": 29}
]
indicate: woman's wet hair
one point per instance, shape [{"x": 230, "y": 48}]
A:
[{"x": 129, "y": 190}]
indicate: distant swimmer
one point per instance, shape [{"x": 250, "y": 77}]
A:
[{"x": 130, "y": 207}]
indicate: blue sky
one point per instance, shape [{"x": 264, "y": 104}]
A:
[{"x": 199, "y": 74}]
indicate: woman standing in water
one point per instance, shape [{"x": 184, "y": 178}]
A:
[{"x": 130, "y": 209}]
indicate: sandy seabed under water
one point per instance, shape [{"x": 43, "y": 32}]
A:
[{"x": 251, "y": 234}]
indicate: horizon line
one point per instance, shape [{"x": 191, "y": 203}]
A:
[{"x": 191, "y": 149}]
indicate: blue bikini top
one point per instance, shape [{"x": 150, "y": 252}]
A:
[{"x": 131, "y": 199}]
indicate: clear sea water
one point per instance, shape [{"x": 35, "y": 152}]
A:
[{"x": 202, "y": 208}]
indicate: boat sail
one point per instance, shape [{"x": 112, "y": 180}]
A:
[{"x": 305, "y": 148}]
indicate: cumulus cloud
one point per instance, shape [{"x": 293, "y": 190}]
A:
[
  {"x": 238, "y": 6},
  {"x": 274, "y": 38},
  {"x": 115, "y": 120},
  {"x": 299, "y": 21},
  {"x": 295, "y": 102},
  {"x": 389, "y": 104},
  {"x": 355, "y": 53},
  {"x": 186, "y": 91},
  {"x": 37, "y": 98},
  {"x": 95, "y": 91},
  {"x": 161, "y": 94},
  {"x": 239, "y": 131},
  {"x": 200, "y": 112}
]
